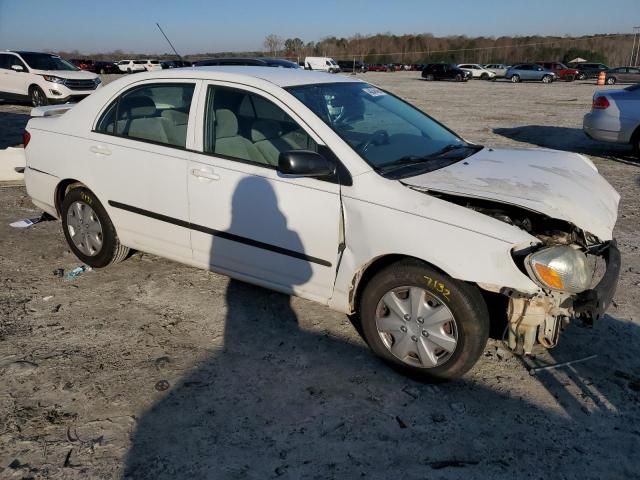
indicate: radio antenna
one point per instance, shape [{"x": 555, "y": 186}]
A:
[{"x": 168, "y": 41}]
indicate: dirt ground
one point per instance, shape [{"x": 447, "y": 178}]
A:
[{"x": 154, "y": 370}]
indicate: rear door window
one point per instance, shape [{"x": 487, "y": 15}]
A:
[{"x": 156, "y": 113}]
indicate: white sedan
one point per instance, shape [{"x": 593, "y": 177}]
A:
[
  {"x": 478, "y": 71},
  {"x": 336, "y": 191}
]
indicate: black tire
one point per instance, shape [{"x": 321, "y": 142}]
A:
[
  {"x": 458, "y": 77},
  {"x": 515, "y": 78},
  {"x": 129, "y": 70},
  {"x": 464, "y": 301},
  {"x": 484, "y": 76},
  {"x": 37, "y": 96},
  {"x": 547, "y": 79},
  {"x": 611, "y": 80},
  {"x": 112, "y": 251},
  {"x": 582, "y": 76},
  {"x": 635, "y": 142},
  {"x": 430, "y": 77}
]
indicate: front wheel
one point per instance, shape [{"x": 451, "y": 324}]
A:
[
  {"x": 458, "y": 78},
  {"x": 430, "y": 78},
  {"x": 38, "y": 98},
  {"x": 547, "y": 79},
  {"x": 424, "y": 322},
  {"x": 89, "y": 231},
  {"x": 582, "y": 76},
  {"x": 484, "y": 76},
  {"x": 515, "y": 78}
]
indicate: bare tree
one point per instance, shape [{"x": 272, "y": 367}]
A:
[{"x": 273, "y": 43}]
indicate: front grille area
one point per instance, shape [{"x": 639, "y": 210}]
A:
[{"x": 80, "y": 84}]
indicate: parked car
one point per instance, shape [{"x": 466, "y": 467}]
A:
[
  {"x": 132, "y": 66},
  {"x": 152, "y": 65},
  {"x": 106, "y": 67},
  {"x": 443, "y": 71},
  {"x": 288, "y": 188},
  {"x": 175, "y": 64},
  {"x": 588, "y": 70},
  {"x": 323, "y": 64},
  {"x": 561, "y": 70},
  {"x": 478, "y": 71},
  {"x": 615, "y": 117},
  {"x": 622, "y": 75},
  {"x": 379, "y": 67},
  {"x": 349, "y": 66},
  {"x": 500, "y": 69},
  {"x": 43, "y": 78},
  {"x": 529, "y": 72},
  {"x": 255, "y": 62},
  {"x": 83, "y": 64}
]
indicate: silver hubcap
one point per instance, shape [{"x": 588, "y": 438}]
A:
[
  {"x": 84, "y": 228},
  {"x": 416, "y": 327}
]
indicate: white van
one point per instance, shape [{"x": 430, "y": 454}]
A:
[{"x": 324, "y": 64}]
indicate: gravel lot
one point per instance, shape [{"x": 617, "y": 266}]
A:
[{"x": 154, "y": 370}]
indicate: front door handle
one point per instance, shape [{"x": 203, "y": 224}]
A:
[
  {"x": 205, "y": 173},
  {"x": 100, "y": 150}
]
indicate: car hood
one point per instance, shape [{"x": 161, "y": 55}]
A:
[
  {"x": 561, "y": 185},
  {"x": 70, "y": 74}
]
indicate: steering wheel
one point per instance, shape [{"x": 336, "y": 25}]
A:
[{"x": 379, "y": 137}]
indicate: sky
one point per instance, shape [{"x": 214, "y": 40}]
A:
[{"x": 198, "y": 26}]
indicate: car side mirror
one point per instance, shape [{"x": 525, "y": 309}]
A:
[
  {"x": 304, "y": 163},
  {"x": 17, "y": 68}
]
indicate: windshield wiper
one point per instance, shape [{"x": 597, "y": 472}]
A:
[{"x": 415, "y": 159}]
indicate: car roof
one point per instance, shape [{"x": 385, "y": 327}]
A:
[{"x": 283, "y": 77}]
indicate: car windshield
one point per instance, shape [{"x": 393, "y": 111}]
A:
[
  {"x": 393, "y": 137},
  {"x": 44, "y": 61}
]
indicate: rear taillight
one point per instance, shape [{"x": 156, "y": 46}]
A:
[
  {"x": 26, "y": 137},
  {"x": 600, "y": 103}
]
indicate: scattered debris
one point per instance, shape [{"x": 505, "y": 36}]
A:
[
  {"x": 162, "y": 385},
  {"x": 47, "y": 298},
  {"x": 533, "y": 371},
  {"x": 438, "y": 418},
  {"x": 21, "y": 367},
  {"x": 458, "y": 407},
  {"x": 411, "y": 391},
  {"x": 25, "y": 222},
  {"x": 58, "y": 272},
  {"x": 401, "y": 422},
  {"x": 162, "y": 362},
  {"x": 77, "y": 271}
]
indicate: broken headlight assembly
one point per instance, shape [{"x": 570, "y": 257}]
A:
[{"x": 560, "y": 268}]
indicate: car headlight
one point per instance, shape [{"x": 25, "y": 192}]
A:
[
  {"x": 560, "y": 268},
  {"x": 97, "y": 81},
  {"x": 51, "y": 78}
]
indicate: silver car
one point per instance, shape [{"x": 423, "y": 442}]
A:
[
  {"x": 500, "y": 69},
  {"x": 615, "y": 117},
  {"x": 530, "y": 71}
]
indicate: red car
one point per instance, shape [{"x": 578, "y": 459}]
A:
[
  {"x": 561, "y": 70},
  {"x": 378, "y": 67},
  {"x": 83, "y": 64}
]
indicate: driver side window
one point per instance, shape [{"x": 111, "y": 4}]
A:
[{"x": 247, "y": 127}]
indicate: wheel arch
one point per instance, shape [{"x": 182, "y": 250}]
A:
[{"x": 63, "y": 188}]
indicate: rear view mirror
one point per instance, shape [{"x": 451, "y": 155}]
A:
[
  {"x": 17, "y": 68},
  {"x": 304, "y": 163}
]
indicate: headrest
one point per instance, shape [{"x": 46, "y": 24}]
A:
[
  {"x": 226, "y": 123},
  {"x": 264, "y": 130},
  {"x": 135, "y": 106}
]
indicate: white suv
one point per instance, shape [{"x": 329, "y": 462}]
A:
[
  {"x": 131, "y": 66},
  {"x": 152, "y": 65},
  {"x": 43, "y": 78},
  {"x": 478, "y": 71}
]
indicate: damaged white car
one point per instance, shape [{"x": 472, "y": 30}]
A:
[{"x": 338, "y": 192}]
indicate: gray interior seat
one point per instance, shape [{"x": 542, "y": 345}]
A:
[
  {"x": 268, "y": 139},
  {"x": 229, "y": 142}
]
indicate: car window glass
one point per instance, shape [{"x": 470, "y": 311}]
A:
[
  {"x": 4, "y": 61},
  {"x": 248, "y": 127},
  {"x": 634, "y": 70},
  {"x": 12, "y": 60},
  {"x": 155, "y": 113}
]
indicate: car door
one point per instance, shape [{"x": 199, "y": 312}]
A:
[
  {"x": 248, "y": 220},
  {"x": 137, "y": 158},
  {"x": 13, "y": 82},
  {"x": 632, "y": 75}
]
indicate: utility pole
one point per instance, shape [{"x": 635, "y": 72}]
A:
[
  {"x": 168, "y": 41},
  {"x": 635, "y": 48}
]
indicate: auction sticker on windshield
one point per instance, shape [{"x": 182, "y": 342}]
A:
[{"x": 374, "y": 92}]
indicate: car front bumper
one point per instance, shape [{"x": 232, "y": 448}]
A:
[{"x": 592, "y": 304}]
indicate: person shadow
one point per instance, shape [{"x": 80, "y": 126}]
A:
[{"x": 293, "y": 393}]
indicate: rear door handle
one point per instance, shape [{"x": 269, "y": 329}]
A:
[
  {"x": 100, "y": 150},
  {"x": 205, "y": 173}
]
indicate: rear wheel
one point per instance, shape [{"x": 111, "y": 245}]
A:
[
  {"x": 611, "y": 81},
  {"x": 547, "y": 79},
  {"x": 89, "y": 231},
  {"x": 424, "y": 322},
  {"x": 38, "y": 98},
  {"x": 515, "y": 78},
  {"x": 582, "y": 76},
  {"x": 484, "y": 76},
  {"x": 430, "y": 77},
  {"x": 129, "y": 70}
]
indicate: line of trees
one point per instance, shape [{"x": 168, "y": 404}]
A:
[{"x": 424, "y": 48}]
